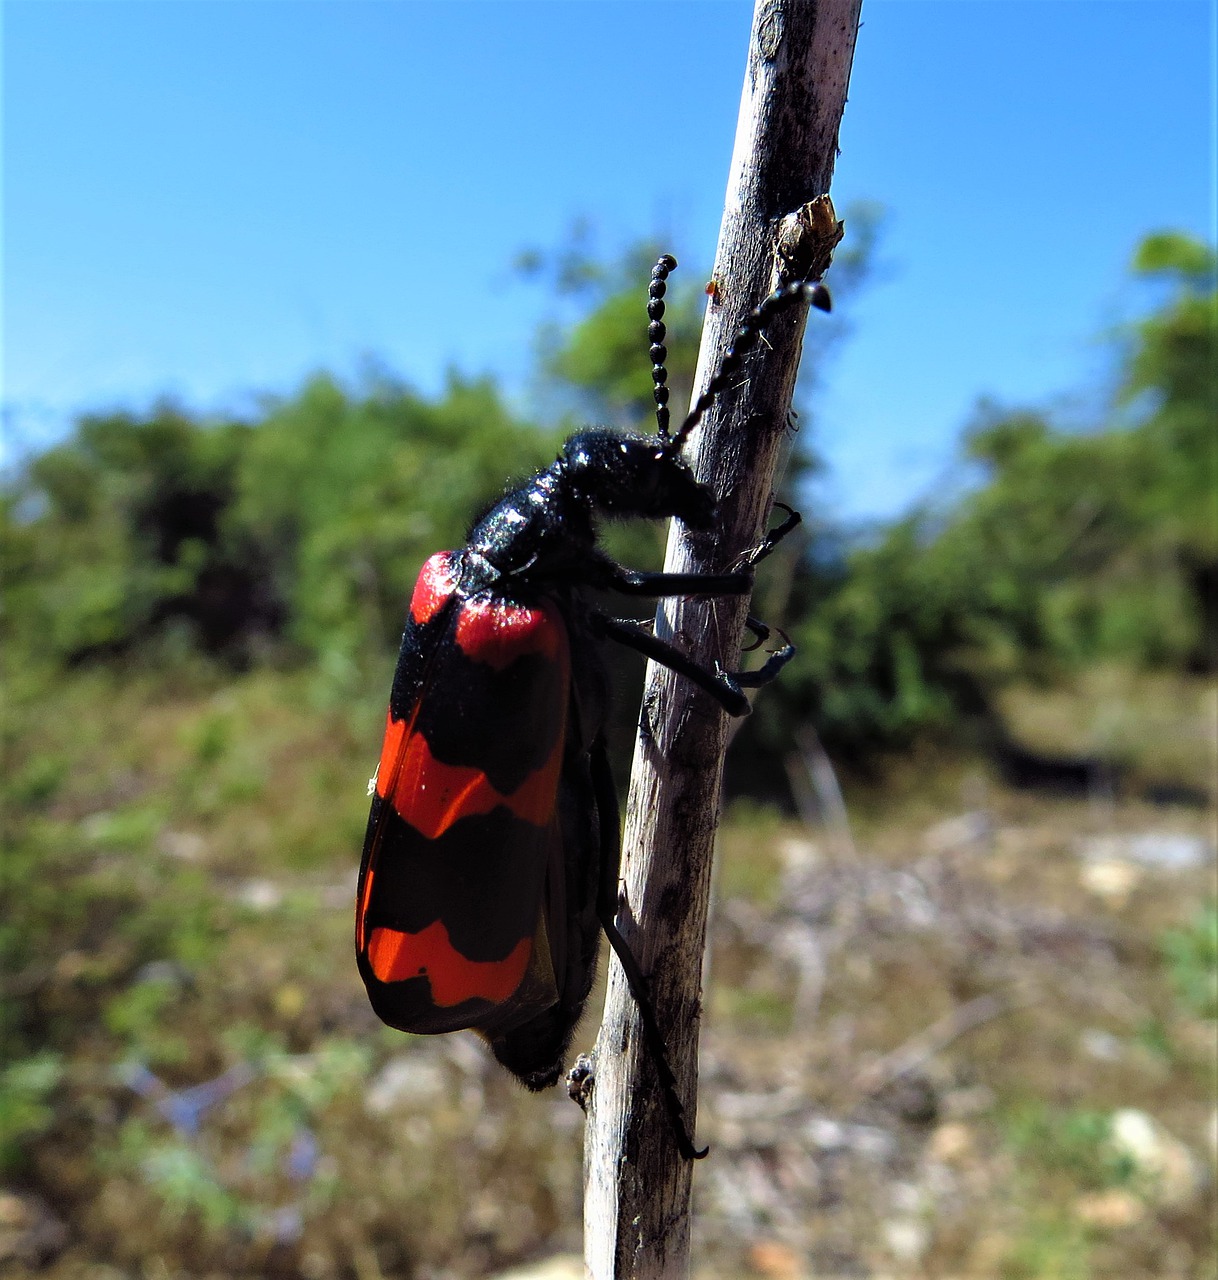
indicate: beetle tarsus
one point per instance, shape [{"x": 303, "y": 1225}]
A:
[{"x": 581, "y": 1080}]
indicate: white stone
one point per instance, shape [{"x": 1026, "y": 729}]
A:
[{"x": 1166, "y": 1167}]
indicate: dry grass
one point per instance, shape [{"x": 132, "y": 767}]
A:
[{"x": 1161, "y": 728}]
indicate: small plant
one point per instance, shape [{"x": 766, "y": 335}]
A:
[
  {"x": 25, "y": 1108},
  {"x": 1074, "y": 1144},
  {"x": 1191, "y": 956},
  {"x": 1050, "y": 1247}
]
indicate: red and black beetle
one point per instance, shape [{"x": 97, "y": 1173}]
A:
[{"x": 490, "y": 864}]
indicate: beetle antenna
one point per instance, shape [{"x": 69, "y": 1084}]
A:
[
  {"x": 656, "y": 334},
  {"x": 755, "y": 323}
]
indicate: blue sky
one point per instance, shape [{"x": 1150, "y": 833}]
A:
[{"x": 211, "y": 198}]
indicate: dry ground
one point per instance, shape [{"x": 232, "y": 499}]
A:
[{"x": 972, "y": 1034}]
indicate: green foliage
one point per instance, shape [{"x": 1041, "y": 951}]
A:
[
  {"x": 78, "y": 929},
  {"x": 119, "y": 531},
  {"x": 307, "y": 527},
  {"x": 78, "y": 926},
  {"x": 1052, "y": 1246},
  {"x": 1105, "y": 545},
  {"x": 1173, "y": 367},
  {"x": 1070, "y": 549},
  {"x": 603, "y": 358},
  {"x": 301, "y": 534},
  {"x": 182, "y": 1177},
  {"x": 250, "y": 1168},
  {"x": 880, "y": 658},
  {"x": 353, "y": 494}
]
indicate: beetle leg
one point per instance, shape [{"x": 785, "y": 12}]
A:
[
  {"x": 754, "y": 555},
  {"x": 726, "y": 687},
  {"x": 609, "y": 817},
  {"x": 773, "y": 664},
  {"x": 607, "y": 901},
  {"x": 721, "y": 685},
  {"x": 760, "y": 631},
  {"x": 641, "y": 582}
]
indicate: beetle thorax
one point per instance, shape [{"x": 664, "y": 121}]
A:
[{"x": 542, "y": 526}]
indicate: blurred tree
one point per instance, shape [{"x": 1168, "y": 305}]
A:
[
  {"x": 1071, "y": 548},
  {"x": 120, "y": 532},
  {"x": 352, "y": 493},
  {"x": 1173, "y": 371},
  {"x": 1105, "y": 545},
  {"x": 306, "y": 529}
]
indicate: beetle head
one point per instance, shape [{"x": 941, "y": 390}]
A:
[{"x": 633, "y": 475}]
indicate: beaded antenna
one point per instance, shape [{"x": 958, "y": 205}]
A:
[{"x": 753, "y": 325}]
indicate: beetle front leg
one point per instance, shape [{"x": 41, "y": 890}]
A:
[{"x": 773, "y": 664}]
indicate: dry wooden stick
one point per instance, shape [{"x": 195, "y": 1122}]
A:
[{"x": 777, "y": 223}]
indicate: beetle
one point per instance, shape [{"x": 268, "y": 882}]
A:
[{"x": 490, "y": 862}]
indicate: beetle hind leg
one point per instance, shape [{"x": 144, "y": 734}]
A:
[
  {"x": 607, "y": 902},
  {"x": 726, "y": 687},
  {"x": 774, "y": 663}
]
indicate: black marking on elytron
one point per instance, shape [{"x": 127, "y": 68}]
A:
[
  {"x": 504, "y": 722},
  {"x": 407, "y": 1006},
  {"x": 481, "y": 877},
  {"x": 538, "y": 545},
  {"x": 420, "y": 641}
]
